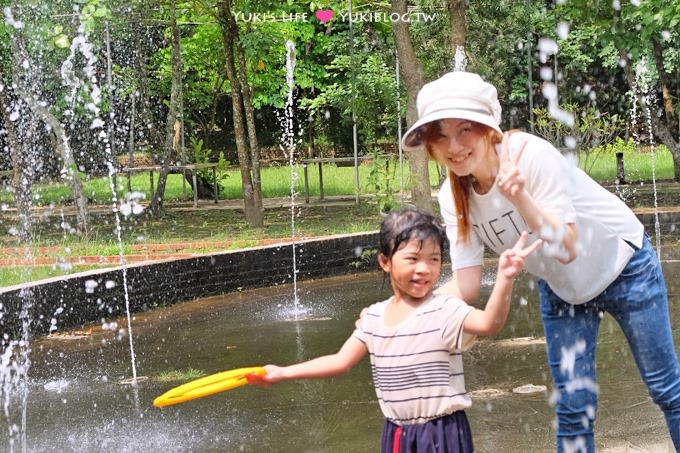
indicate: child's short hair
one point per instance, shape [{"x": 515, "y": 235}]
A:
[{"x": 406, "y": 224}]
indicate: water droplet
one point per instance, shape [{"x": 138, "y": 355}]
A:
[{"x": 90, "y": 286}]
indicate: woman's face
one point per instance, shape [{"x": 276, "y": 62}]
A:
[{"x": 459, "y": 146}]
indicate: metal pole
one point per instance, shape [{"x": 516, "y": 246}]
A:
[
  {"x": 401, "y": 153},
  {"x": 109, "y": 83},
  {"x": 529, "y": 74},
  {"x": 354, "y": 115}
]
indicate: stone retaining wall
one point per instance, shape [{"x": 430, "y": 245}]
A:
[
  {"x": 669, "y": 221},
  {"x": 65, "y": 303}
]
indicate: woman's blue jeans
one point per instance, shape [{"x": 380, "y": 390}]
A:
[{"x": 638, "y": 301}]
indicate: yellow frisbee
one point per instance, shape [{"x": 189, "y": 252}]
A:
[{"x": 208, "y": 385}]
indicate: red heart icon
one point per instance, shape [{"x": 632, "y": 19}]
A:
[{"x": 324, "y": 15}]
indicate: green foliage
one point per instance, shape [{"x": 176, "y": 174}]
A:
[
  {"x": 93, "y": 13},
  {"x": 201, "y": 153},
  {"x": 204, "y": 155},
  {"x": 643, "y": 33},
  {"x": 496, "y": 39},
  {"x": 364, "y": 84},
  {"x": 501, "y": 40},
  {"x": 619, "y": 145},
  {"x": 367, "y": 256},
  {"x": 204, "y": 76},
  {"x": 431, "y": 41},
  {"x": 380, "y": 179},
  {"x": 180, "y": 375},
  {"x": 591, "y": 130}
]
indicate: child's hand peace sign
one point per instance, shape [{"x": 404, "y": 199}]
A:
[
  {"x": 509, "y": 179},
  {"x": 511, "y": 261}
]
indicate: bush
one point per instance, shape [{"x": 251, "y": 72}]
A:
[
  {"x": 591, "y": 131},
  {"x": 619, "y": 145}
]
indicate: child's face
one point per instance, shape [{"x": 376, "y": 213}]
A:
[{"x": 415, "y": 268}]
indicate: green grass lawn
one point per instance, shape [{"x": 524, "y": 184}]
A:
[
  {"x": 276, "y": 180},
  {"x": 639, "y": 166}
]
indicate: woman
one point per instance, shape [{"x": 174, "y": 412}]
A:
[{"x": 596, "y": 256}]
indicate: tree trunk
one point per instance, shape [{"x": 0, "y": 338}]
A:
[
  {"x": 169, "y": 150},
  {"x": 257, "y": 206},
  {"x": 131, "y": 139},
  {"x": 20, "y": 55},
  {"x": 145, "y": 116},
  {"x": 458, "y": 31},
  {"x": 21, "y": 182},
  {"x": 253, "y": 212},
  {"x": 68, "y": 162},
  {"x": 412, "y": 74},
  {"x": 70, "y": 167},
  {"x": 670, "y": 119},
  {"x": 662, "y": 131}
]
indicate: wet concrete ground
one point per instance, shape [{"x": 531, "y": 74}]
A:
[{"x": 76, "y": 401}]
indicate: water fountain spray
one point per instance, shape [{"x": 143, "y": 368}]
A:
[
  {"x": 288, "y": 142},
  {"x": 640, "y": 92}
]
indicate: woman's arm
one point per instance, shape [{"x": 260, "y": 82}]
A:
[
  {"x": 548, "y": 226},
  {"x": 512, "y": 185},
  {"x": 492, "y": 319},
  {"x": 465, "y": 284}
]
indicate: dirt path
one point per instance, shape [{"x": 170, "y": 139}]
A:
[
  {"x": 57, "y": 255},
  {"x": 42, "y": 256}
]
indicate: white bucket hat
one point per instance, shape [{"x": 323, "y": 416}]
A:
[{"x": 457, "y": 94}]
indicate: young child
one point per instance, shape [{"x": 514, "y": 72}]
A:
[{"x": 415, "y": 339}]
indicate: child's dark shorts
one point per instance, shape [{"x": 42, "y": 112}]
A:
[{"x": 448, "y": 434}]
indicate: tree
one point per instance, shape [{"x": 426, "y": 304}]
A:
[
  {"x": 632, "y": 38},
  {"x": 457, "y": 18},
  {"x": 250, "y": 178},
  {"x": 171, "y": 144},
  {"x": 412, "y": 74},
  {"x": 36, "y": 104}
]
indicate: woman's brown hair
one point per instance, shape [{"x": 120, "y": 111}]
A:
[{"x": 461, "y": 186}]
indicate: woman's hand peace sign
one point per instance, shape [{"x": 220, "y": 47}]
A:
[{"x": 509, "y": 179}]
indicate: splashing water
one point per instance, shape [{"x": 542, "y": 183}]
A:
[
  {"x": 72, "y": 80},
  {"x": 14, "y": 364},
  {"x": 548, "y": 47},
  {"x": 640, "y": 91},
  {"x": 14, "y": 356},
  {"x": 15, "y": 350},
  {"x": 568, "y": 359},
  {"x": 114, "y": 207},
  {"x": 460, "y": 59},
  {"x": 288, "y": 142}
]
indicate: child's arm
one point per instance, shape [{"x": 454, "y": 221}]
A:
[
  {"x": 491, "y": 320},
  {"x": 325, "y": 366}
]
